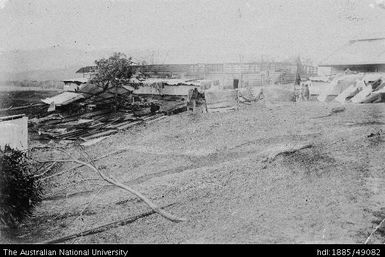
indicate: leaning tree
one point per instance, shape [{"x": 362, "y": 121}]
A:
[{"x": 114, "y": 72}]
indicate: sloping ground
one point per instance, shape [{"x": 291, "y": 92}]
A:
[{"x": 225, "y": 174}]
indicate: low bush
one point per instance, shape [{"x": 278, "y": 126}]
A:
[{"x": 19, "y": 190}]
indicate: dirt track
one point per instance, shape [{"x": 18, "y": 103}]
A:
[{"x": 211, "y": 168}]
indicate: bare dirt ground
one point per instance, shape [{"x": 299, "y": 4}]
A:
[
  {"x": 212, "y": 169},
  {"x": 19, "y": 96}
]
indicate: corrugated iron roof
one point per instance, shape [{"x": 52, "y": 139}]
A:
[
  {"x": 63, "y": 98},
  {"x": 171, "y": 82},
  {"x": 87, "y": 69},
  {"x": 92, "y": 89},
  {"x": 77, "y": 80},
  {"x": 358, "y": 52}
]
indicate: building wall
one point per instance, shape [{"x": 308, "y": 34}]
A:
[
  {"x": 166, "y": 90},
  {"x": 71, "y": 86},
  {"x": 248, "y": 74},
  {"x": 324, "y": 71},
  {"x": 381, "y": 68},
  {"x": 358, "y": 68},
  {"x": 14, "y": 132}
]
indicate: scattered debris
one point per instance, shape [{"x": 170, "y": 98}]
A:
[
  {"x": 63, "y": 99},
  {"x": 356, "y": 88},
  {"x": 283, "y": 149},
  {"x": 339, "y": 84},
  {"x": 93, "y": 111},
  {"x": 375, "y": 134},
  {"x": 374, "y": 231},
  {"x": 333, "y": 111},
  {"x": 337, "y": 109},
  {"x": 93, "y": 141},
  {"x": 103, "y": 228},
  {"x": 113, "y": 181}
]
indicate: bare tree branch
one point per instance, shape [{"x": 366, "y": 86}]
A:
[
  {"x": 374, "y": 231},
  {"x": 113, "y": 181}
]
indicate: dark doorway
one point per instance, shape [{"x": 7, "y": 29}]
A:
[{"x": 235, "y": 83}]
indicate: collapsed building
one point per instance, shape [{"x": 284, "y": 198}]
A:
[
  {"x": 74, "y": 84},
  {"x": 89, "y": 113},
  {"x": 357, "y": 72}
]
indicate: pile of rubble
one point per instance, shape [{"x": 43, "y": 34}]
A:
[
  {"x": 87, "y": 126},
  {"x": 356, "y": 88},
  {"x": 92, "y": 112}
]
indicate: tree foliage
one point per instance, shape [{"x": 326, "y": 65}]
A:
[
  {"x": 114, "y": 71},
  {"x": 19, "y": 190}
]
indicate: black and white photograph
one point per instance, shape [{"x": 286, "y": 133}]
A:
[{"x": 258, "y": 122}]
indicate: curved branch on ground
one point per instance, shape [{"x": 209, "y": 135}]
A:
[{"x": 153, "y": 206}]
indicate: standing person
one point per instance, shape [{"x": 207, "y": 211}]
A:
[
  {"x": 297, "y": 93},
  {"x": 194, "y": 98},
  {"x": 307, "y": 91},
  {"x": 303, "y": 91},
  {"x": 297, "y": 83}
]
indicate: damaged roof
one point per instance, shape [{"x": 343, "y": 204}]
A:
[
  {"x": 358, "y": 52},
  {"x": 76, "y": 80},
  {"x": 171, "y": 82},
  {"x": 63, "y": 98},
  {"x": 87, "y": 69}
]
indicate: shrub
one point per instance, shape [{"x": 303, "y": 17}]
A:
[{"x": 19, "y": 190}]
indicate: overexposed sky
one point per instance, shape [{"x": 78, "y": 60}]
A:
[{"x": 192, "y": 28}]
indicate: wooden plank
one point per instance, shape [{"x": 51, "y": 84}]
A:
[
  {"x": 22, "y": 107},
  {"x": 105, "y": 133},
  {"x": 122, "y": 123},
  {"x": 129, "y": 125},
  {"x": 156, "y": 119},
  {"x": 103, "y": 227},
  {"x": 13, "y": 117}
]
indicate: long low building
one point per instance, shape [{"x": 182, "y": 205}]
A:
[
  {"x": 74, "y": 84},
  {"x": 229, "y": 75},
  {"x": 363, "y": 55}
]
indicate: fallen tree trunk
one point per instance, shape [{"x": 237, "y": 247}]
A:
[
  {"x": 374, "y": 231},
  {"x": 81, "y": 165},
  {"x": 274, "y": 153},
  {"x": 101, "y": 228},
  {"x": 122, "y": 186}
]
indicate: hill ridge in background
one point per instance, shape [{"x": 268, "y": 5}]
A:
[{"x": 54, "y": 63}]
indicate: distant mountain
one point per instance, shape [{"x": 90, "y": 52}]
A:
[
  {"x": 55, "y": 63},
  {"x": 47, "y": 59},
  {"x": 58, "y": 63},
  {"x": 41, "y": 75}
]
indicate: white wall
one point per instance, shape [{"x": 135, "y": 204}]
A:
[{"x": 14, "y": 133}]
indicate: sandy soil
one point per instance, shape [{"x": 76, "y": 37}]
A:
[{"x": 212, "y": 169}]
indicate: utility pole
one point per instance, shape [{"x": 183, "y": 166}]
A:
[
  {"x": 261, "y": 70},
  {"x": 240, "y": 71}
]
